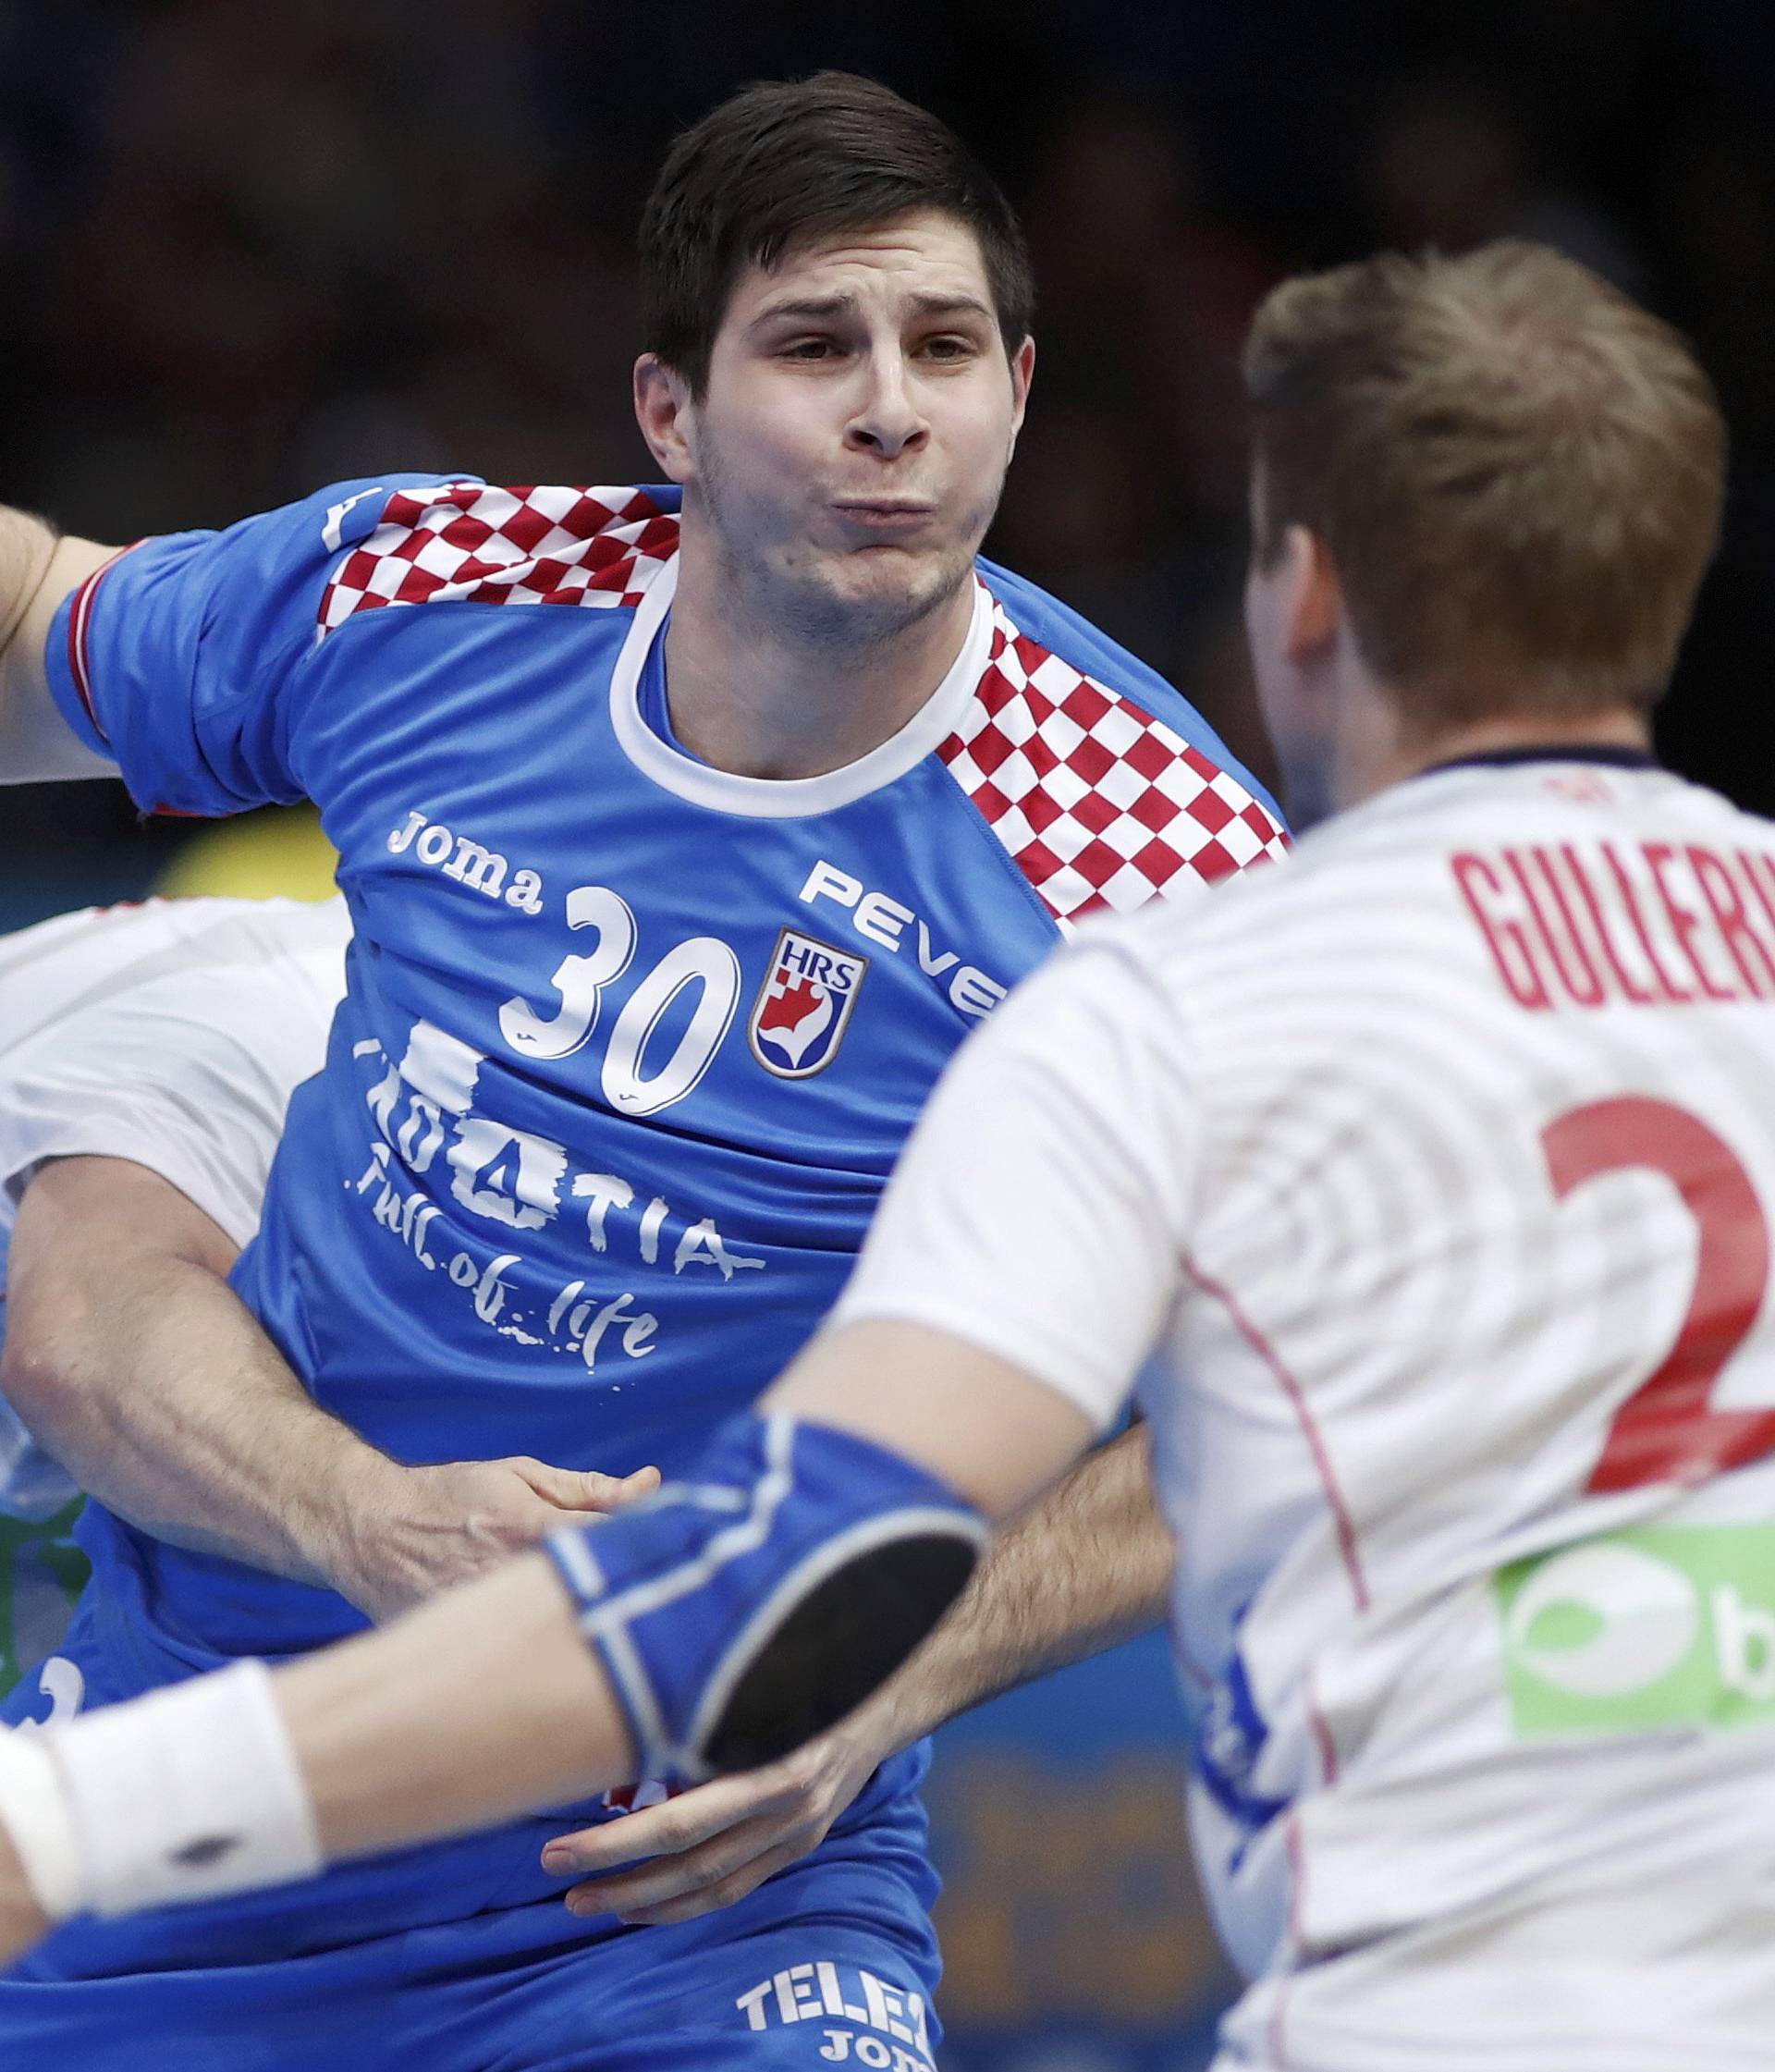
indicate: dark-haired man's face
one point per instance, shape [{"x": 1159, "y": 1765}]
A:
[{"x": 850, "y": 449}]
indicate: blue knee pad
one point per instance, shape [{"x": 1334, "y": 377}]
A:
[{"x": 740, "y": 1613}]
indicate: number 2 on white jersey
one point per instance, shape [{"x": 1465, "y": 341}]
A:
[{"x": 1668, "y": 1430}]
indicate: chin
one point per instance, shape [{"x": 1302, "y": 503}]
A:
[{"x": 896, "y": 584}]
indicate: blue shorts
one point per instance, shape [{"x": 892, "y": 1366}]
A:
[{"x": 463, "y": 1958}]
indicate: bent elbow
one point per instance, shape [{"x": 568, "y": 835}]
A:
[{"x": 33, "y": 1380}]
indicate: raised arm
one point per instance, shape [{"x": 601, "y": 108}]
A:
[
  {"x": 190, "y": 660},
  {"x": 38, "y": 569}
]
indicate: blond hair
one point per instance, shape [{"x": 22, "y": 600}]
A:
[{"x": 1518, "y": 473}]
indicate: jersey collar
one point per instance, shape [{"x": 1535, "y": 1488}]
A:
[
  {"x": 761, "y": 798},
  {"x": 1614, "y": 756}
]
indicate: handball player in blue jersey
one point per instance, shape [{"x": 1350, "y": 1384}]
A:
[{"x": 686, "y": 832}]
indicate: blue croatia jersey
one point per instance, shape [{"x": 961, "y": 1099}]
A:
[{"x": 630, "y": 1043}]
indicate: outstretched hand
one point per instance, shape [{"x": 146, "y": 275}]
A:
[{"x": 714, "y": 1845}]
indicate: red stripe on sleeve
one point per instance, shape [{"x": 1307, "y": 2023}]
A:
[{"x": 78, "y": 620}]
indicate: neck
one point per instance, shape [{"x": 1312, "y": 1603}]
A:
[
  {"x": 1380, "y": 750},
  {"x": 753, "y": 694}
]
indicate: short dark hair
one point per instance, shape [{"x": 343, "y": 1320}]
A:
[{"x": 788, "y": 159}]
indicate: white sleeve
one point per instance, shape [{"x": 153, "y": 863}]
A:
[
  {"x": 1041, "y": 1206},
  {"x": 185, "y": 1066}
]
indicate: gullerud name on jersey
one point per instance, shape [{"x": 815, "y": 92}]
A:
[{"x": 1636, "y": 924}]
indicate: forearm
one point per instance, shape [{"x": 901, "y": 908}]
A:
[
  {"x": 134, "y": 1363},
  {"x": 491, "y": 1698},
  {"x": 480, "y": 1705},
  {"x": 37, "y": 570},
  {"x": 484, "y": 1703},
  {"x": 1087, "y": 1566},
  {"x": 172, "y": 1408},
  {"x": 27, "y": 548}
]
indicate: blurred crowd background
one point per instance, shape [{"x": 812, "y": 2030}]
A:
[{"x": 245, "y": 250}]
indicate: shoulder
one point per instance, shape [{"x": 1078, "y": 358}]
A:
[
  {"x": 1363, "y": 907},
  {"x": 180, "y": 1050},
  {"x": 94, "y": 953},
  {"x": 230, "y": 967},
  {"x": 1105, "y": 786},
  {"x": 272, "y": 587},
  {"x": 466, "y": 541}
]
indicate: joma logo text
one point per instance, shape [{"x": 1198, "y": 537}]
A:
[{"x": 467, "y": 862}]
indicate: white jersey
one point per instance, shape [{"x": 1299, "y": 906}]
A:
[
  {"x": 1437, "y": 1166},
  {"x": 172, "y": 1034}
]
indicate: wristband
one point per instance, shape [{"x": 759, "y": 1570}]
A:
[
  {"x": 186, "y": 1794},
  {"x": 35, "y": 1813}
]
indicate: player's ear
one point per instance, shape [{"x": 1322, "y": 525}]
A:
[
  {"x": 1022, "y": 371},
  {"x": 1312, "y": 595},
  {"x": 664, "y": 411}
]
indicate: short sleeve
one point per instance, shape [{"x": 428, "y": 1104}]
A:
[
  {"x": 186, "y": 1067},
  {"x": 182, "y": 657},
  {"x": 1041, "y": 1207}
]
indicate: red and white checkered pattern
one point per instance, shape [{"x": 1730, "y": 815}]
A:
[
  {"x": 541, "y": 546},
  {"x": 1100, "y": 805}
]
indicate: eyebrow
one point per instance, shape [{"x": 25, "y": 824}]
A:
[{"x": 814, "y": 307}]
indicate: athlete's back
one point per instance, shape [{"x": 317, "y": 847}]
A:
[
  {"x": 1426, "y": 1175},
  {"x": 1472, "y": 1422},
  {"x": 1434, "y": 1166}
]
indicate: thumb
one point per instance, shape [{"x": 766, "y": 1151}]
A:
[
  {"x": 632, "y": 1488},
  {"x": 574, "y": 1488}
]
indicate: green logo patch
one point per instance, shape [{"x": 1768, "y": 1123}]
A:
[{"x": 1658, "y": 1626}]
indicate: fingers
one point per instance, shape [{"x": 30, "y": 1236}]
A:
[
  {"x": 721, "y": 1871},
  {"x": 704, "y": 1850},
  {"x": 705, "y": 1899},
  {"x": 574, "y": 1488},
  {"x": 670, "y": 1829}
]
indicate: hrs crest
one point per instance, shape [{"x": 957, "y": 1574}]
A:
[{"x": 799, "y": 1019}]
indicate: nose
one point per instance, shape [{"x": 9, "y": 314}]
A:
[{"x": 887, "y": 420}]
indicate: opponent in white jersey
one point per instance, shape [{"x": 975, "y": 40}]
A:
[
  {"x": 1434, "y": 1165},
  {"x": 1432, "y": 1168},
  {"x": 171, "y": 1035}
]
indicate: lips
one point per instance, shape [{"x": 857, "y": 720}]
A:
[{"x": 889, "y": 515}]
